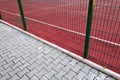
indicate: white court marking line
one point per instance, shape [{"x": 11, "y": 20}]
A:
[
  {"x": 52, "y": 7},
  {"x": 33, "y": 11},
  {"x": 113, "y": 43},
  {"x": 63, "y": 5},
  {"x": 3, "y": 0}
]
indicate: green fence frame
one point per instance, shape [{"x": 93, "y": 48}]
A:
[
  {"x": 87, "y": 37},
  {"x": 22, "y": 15},
  {"x": 88, "y": 28},
  {"x": 0, "y": 16}
]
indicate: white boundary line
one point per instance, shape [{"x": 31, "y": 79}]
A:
[
  {"x": 61, "y": 6},
  {"x": 53, "y": 7},
  {"x": 78, "y": 33},
  {"x": 92, "y": 64},
  {"x": 33, "y": 11}
]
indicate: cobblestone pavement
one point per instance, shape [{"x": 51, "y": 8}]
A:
[{"x": 25, "y": 58}]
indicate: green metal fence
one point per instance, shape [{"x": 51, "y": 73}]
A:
[
  {"x": 88, "y": 30},
  {"x": 98, "y": 20},
  {"x": 22, "y": 15},
  {"x": 0, "y": 16}
]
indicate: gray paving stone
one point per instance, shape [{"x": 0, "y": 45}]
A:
[
  {"x": 13, "y": 53},
  {"x": 40, "y": 67},
  {"x": 17, "y": 60},
  {"x": 47, "y": 56},
  {"x": 46, "y": 51},
  {"x": 16, "y": 70},
  {"x": 16, "y": 65},
  {"x": 74, "y": 78},
  {"x": 94, "y": 71},
  {"x": 24, "y": 78},
  {"x": 44, "y": 78},
  {"x": 23, "y": 61},
  {"x": 55, "y": 51},
  {"x": 5, "y": 54},
  {"x": 15, "y": 77},
  {"x": 48, "y": 61},
  {"x": 86, "y": 69},
  {"x": 55, "y": 55},
  {"x": 10, "y": 59},
  {"x": 34, "y": 78},
  {"x": 101, "y": 76},
  {"x": 109, "y": 78},
  {"x": 5, "y": 77},
  {"x": 49, "y": 67},
  {"x": 31, "y": 73},
  {"x": 67, "y": 68},
  {"x": 81, "y": 64},
  {"x": 25, "y": 55},
  {"x": 58, "y": 67},
  {"x": 24, "y": 65},
  {"x": 64, "y": 78},
  {"x": 77, "y": 68},
  {"x": 34, "y": 65},
  {"x": 90, "y": 76},
  {"x": 50, "y": 74},
  {"x": 60, "y": 74},
  {"x": 70, "y": 75},
  {"x": 4, "y": 58},
  {"x": 74, "y": 62},
  {"x": 62, "y": 56},
  {"x": 65, "y": 61},
  {"x": 56, "y": 61},
  {"x": 40, "y": 47},
  {"x": 86, "y": 79},
  {"x": 40, "y": 55},
  {"x": 41, "y": 60},
  {"x": 8, "y": 64},
  {"x": 53, "y": 78},
  {"x": 81, "y": 75},
  {"x": 23, "y": 72},
  {"x": 41, "y": 73},
  {"x": 2, "y": 63},
  {"x": 1, "y": 68},
  {"x": 5, "y": 71},
  {"x": 34, "y": 59}
]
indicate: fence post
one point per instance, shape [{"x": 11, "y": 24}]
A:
[
  {"x": 22, "y": 15},
  {"x": 88, "y": 28},
  {"x": 0, "y": 16}
]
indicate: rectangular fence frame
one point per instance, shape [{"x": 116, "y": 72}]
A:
[{"x": 88, "y": 30}]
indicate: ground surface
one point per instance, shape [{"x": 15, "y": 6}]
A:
[{"x": 25, "y": 58}]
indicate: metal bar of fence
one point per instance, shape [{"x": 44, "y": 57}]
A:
[
  {"x": 0, "y": 16},
  {"x": 88, "y": 28},
  {"x": 22, "y": 15}
]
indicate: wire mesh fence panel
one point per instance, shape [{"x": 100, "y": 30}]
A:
[
  {"x": 10, "y": 12},
  {"x": 105, "y": 34},
  {"x": 61, "y": 22}
]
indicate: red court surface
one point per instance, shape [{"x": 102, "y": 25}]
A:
[{"x": 63, "y": 22}]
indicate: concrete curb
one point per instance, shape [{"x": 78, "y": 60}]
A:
[{"x": 92, "y": 64}]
